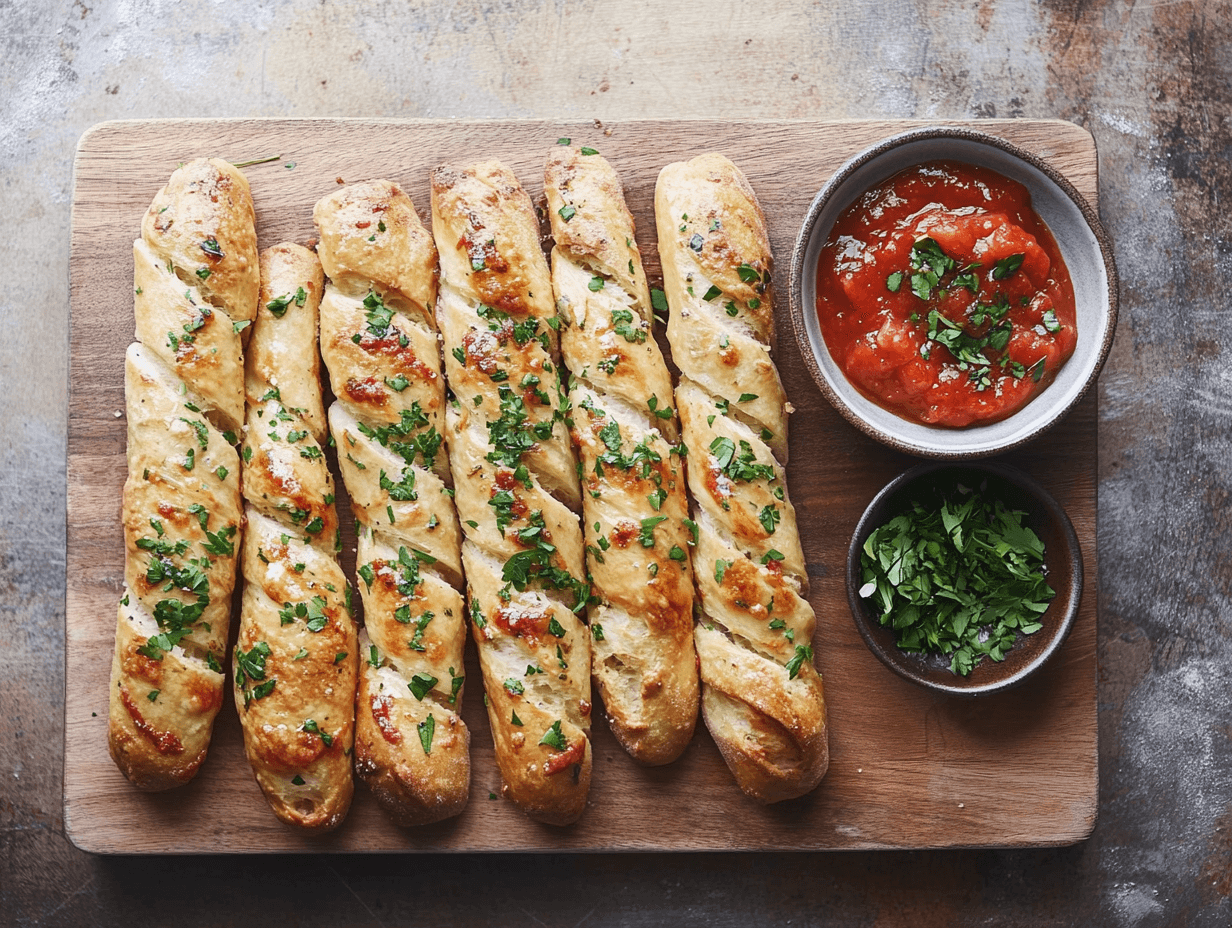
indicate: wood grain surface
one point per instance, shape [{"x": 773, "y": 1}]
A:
[{"x": 908, "y": 769}]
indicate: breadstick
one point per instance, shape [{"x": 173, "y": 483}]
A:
[
  {"x": 762, "y": 699},
  {"x": 635, "y": 511},
  {"x": 196, "y": 282},
  {"x": 379, "y": 341},
  {"x": 295, "y": 657},
  {"x": 517, "y": 487}
]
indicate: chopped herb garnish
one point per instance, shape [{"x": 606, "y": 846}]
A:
[
  {"x": 312, "y": 727},
  {"x": 421, "y": 684},
  {"x": 1006, "y": 267},
  {"x": 646, "y": 536},
  {"x": 962, "y": 578},
  {"x": 803, "y": 653},
  {"x": 426, "y": 729},
  {"x": 554, "y": 738}
]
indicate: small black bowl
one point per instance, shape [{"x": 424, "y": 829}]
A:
[{"x": 928, "y": 483}]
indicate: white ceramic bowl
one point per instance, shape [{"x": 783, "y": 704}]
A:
[{"x": 1084, "y": 246}]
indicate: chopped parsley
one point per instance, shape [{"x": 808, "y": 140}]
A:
[
  {"x": 250, "y": 666},
  {"x": 426, "y": 729},
  {"x": 742, "y": 466},
  {"x": 421, "y": 684},
  {"x": 1007, "y": 267},
  {"x": 646, "y": 536},
  {"x": 803, "y": 653},
  {"x": 405, "y": 437},
  {"x": 379, "y": 316},
  {"x": 554, "y": 738},
  {"x": 962, "y": 577},
  {"x": 312, "y": 727}
]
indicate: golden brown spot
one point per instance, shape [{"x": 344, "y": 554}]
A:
[
  {"x": 742, "y": 584},
  {"x": 136, "y": 664},
  {"x": 485, "y": 361},
  {"x": 623, "y": 533},
  {"x": 203, "y": 696},
  {"x": 718, "y": 485},
  {"x": 164, "y": 742}
]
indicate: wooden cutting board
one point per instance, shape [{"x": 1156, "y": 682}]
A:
[{"x": 908, "y": 769}]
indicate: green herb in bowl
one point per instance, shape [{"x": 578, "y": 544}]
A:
[{"x": 964, "y": 579}]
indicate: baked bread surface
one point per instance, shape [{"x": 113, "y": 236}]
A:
[
  {"x": 762, "y": 699},
  {"x": 379, "y": 341},
  {"x": 623, "y": 423},
  {"x": 296, "y": 653},
  {"x": 195, "y": 291},
  {"x": 517, "y": 487}
]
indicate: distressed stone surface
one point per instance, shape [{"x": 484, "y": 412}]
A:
[{"x": 1151, "y": 81}]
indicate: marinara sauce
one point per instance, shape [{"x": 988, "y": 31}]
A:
[{"x": 943, "y": 296}]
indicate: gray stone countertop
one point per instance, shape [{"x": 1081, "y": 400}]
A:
[{"x": 1152, "y": 81}]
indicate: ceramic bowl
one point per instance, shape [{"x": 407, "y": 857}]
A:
[
  {"x": 1084, "y": 245},
  {"x": 929, "y": 483}
]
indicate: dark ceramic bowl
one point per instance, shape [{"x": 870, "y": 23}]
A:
[
  {"x": 927, "y": 483},
  {"x": 1084, "y": 245}
]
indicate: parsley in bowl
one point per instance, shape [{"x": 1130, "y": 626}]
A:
[{"x": 964, "y": 578}]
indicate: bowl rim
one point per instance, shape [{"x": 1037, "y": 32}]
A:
[
  {"x": 797, "y": 302},
  {"x": 1072, "y": 595}
]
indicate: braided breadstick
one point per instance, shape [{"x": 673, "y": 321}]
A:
[
  {"x": 635, "y": 509},
  {"x": 761, "y": 697},
  {"x": 196, "y": 288},
  {"x": 517, "y": 487},
  {"x": 295, "y": 657},
  {"x": 379, "y": 341}
]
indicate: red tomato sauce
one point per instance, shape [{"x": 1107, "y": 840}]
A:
[{"x": 943, "y": 296}]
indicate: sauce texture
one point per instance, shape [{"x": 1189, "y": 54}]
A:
[{"x": 943, "y": 296}]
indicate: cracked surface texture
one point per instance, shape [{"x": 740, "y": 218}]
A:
[{"x": 1151, "y": 80}]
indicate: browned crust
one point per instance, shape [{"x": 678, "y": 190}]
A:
[
  {"x": 643, "y": 659},
  {"x": 487, "y": 234},
  {"x": 372, "y": 241},
  {"x": 298, "y": 736},
  {"x": 762, "y": 699},
  {"x": 206, "y": 202},
  {"x": 163, "y": 700}
]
